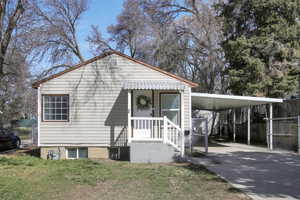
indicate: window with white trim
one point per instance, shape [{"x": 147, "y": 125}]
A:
[
  {"x": 56, "y": 107},
  {"x": 77, "y": 153},
  {"x": 170, "y": 106}
]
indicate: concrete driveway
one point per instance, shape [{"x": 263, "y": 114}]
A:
[{"x": 260, "y": 173}]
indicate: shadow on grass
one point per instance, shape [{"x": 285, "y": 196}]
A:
[
  {"x": 234, "y": 190},
  {"x": 33, "y": 152},
  {"x": 201, "y": 169},
  {"x": 197, "y": 168},
  {"x": 30, "y": 151}
]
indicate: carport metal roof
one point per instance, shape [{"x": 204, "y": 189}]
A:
[{"x": 218, "y": 102}]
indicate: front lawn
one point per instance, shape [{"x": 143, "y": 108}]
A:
[{"x": 26, "y": 177}]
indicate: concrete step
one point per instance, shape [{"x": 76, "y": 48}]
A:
[{"x": 154, "y": 152}]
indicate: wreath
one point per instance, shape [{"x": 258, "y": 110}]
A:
[{"x": 143, "y": 102}]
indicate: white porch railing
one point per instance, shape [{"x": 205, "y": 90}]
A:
[
  {"x": 146, "y": 129},
  {"x": 156, "y": 129},
  {"x": 173, "y": 134}
]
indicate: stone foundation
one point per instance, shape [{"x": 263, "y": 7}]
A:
[{"x": 98, "y": 152}]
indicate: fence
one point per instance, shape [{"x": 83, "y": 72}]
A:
[
  {"x": 199, "y": 135},
  {"x": 283, "y": 133},
  {"x": 34, "y": 134}
]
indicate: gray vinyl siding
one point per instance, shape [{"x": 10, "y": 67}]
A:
[{"x": 98, "y": 105}]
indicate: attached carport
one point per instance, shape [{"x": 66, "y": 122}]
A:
[{"x": 220, "y": 102}]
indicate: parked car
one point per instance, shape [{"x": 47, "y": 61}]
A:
[{"x": 8, "y": 140}]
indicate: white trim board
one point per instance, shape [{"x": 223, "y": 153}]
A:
[
  {"x": 217, "y": 102},
  {"x": 39, "y": 117},
  {"x": 73, "y": 145}
]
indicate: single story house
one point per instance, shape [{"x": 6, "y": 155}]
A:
[
  {"x": 113, "y": 102},
  {"x": 113, "y": 105}
]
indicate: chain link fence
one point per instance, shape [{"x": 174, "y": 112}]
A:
[
  {"x": 199, "y": 140},
  {"x": 285, "y": 132}
]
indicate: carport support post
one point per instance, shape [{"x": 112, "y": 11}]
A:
[
  {"x": 206, "y": 135},
  {"x": 298, "y": 133},
  {"x": 249, "y": 127},
  {"x": 271, "y": 127},
  {"x": 220, "y": 127},
  {"x": 234, "y": 128},
  {"x": 268, "y": 132}
]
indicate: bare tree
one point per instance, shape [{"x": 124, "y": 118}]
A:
[
  {"x": 32, "y": 30},
  {"x": 14, "y": 41},
  {"x": 97, "y": 43},
  {"x": 163, "y": 47},
  {"x": 198, "y": 37},
  {"x": 59, "y": 31},
  {"x": 130, "y": 30},
  {"x": 10, "y": 14},
  {"x": 12, "y": 87}
]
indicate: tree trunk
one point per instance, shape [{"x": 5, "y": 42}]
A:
[{"x": 1, "y": 67}]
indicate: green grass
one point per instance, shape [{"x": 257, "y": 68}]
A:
[{"x": 26, "y": 177}]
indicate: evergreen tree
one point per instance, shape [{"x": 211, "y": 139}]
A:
[{"x": 262, "y": 45}]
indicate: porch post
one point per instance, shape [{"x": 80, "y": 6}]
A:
[
  {"x": 182, "y": 121},
  {"x": 234, "y": 128},
  {"x": 129, "y": 130},
  {"x": 165, "y": 130},
  {"x": 249, "y": 127},
  {"x": 271, "y": 127}
]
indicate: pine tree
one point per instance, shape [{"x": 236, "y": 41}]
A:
[{"x": 262, "y": 46}]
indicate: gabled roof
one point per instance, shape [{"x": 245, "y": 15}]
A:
[{"x": 38, "y": 83}]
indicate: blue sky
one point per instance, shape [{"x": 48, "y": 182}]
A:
[{"x": 102, "y": 13}]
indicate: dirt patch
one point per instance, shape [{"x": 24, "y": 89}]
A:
[
  {"x": 100, "y": 191},
  {"x": 115, "y": 190}
]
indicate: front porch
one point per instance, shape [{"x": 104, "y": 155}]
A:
[
  {"x": 155, "y": 114},
  {"x": 156, "y": 129}
]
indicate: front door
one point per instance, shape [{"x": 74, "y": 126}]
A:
[{"x": 143, "y": 108}]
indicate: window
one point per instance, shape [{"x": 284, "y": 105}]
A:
[
  {"x": 76, "y": 153},
  {"x": 170, "y": 107},
  {"x": 82, "y": 152},
  {"x": 72, "y": 153},
  {"x": 56, "y": 107}
]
